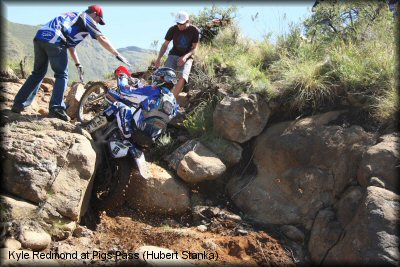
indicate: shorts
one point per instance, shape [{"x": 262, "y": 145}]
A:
[{"x": 181, "y": 71}]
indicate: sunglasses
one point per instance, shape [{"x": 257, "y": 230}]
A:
[{"x": 181, "y": 23}]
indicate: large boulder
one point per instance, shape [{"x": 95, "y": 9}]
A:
[
  {"x": 160, "y": 193},
  {"x": 195, "y": 163},
  {"x": 199, "y": 165},
  {"x": 380, "y": 164},
  {"x": 240, "y": 118},
  {"x": 47, "y": 161},
  {"x": 372, "y": 237},
  {"x": 301, "y": 166},
  {"x": 229, "y": 152}
]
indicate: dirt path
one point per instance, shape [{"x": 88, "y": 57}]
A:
[{"x": 124, "y": 231}]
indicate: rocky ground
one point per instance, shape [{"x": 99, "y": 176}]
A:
[
  {"x": 124, "y": 230},
  {"x": 219, "y": 236}
]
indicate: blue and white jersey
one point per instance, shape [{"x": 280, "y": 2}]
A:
[
  {"x": 160, "y": 104},
  {"x": 156, "y": 110},
  {"x": 68, "y": 29}
]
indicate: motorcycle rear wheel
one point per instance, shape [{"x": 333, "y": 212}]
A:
[{"x": 92, "y": 102}]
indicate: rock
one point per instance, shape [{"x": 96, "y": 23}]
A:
[
  {"x": 183, "y": 99},
  {"x": 49, "y": 80},
  {"x": 210, "y": 245},
  {"x": 8, "y": 75},
  {"x": 48, "y": 160},
  {"x": 324, "y": 235},
  {"x": 293, "y": 233},
  {"x": 229, "y": 152},
  {"x": 301, "y": 166},
  {"x": 176, "y": 157},
  {"x": 12, "y": 244},
  {"x": 8, "y": 92},
  {"x": 201, "y": 213},
  {"x": 201, "y": 228},
  {"x": 241, "y": 118},
  {"x": 199, "y": 165},
  {"x": 17, "y": 208},
  {"x": 76, "y": 176},
  {"x": 80, "y": 231},
  {"x": 160, "y": 193},
  {"x": 241, "y": 232},
  {"x": 36, "y": 239},
  {"x": 372, "y": 235},
  {"x": 46, "y": 87},
  {"x": 382, "y": 161},
  {"x": 225, "y": 215},
  {"x": 348, "y": 203},
  {"x": 375, "y": 181}
]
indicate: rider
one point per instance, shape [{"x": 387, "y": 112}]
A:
[{"x": 144, "y": 124}]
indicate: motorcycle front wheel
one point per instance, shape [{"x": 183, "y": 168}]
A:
[
  {"x": 92, "y": 102},
  {"x": 112, "y": 183}
]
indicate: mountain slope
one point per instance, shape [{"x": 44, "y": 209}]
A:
[{"x": 96, "y": 61}]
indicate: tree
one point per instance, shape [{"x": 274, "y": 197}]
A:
[
  {"x": 211, "y": 21},
  {"x": 346, "y": 20}
]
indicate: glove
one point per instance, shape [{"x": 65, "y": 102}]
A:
[
  {"x": 123, "y": 60},
  {"x": 80, "y": 71}
]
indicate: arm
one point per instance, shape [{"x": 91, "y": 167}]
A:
[
  {"x": 192, "y": 51},
  {"x": 107, "y": 44},
  {"x": 161, "y": 53},
  {"x": 74, "y": 55}
]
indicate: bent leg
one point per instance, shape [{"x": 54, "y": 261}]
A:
[{"x": 183, "y": 75}]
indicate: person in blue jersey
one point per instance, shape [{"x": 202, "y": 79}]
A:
[
  {"x": 185, "y": 38},
  {"x": 51, "y": 43}
]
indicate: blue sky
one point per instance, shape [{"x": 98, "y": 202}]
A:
[{"x": 142, "y": 23}]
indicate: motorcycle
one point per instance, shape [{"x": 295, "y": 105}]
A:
[
  {"x": 92, "y": 100},
  {"x": 115, "y": 168}
]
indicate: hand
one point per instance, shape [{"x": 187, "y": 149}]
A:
[
  {"x": 80, "y": 71},
  {"x": 157, "y": 63},
  {"x": 181, "y": 61},
  {"x": 123, "y": 60}
]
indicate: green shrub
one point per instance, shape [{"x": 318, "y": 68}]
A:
[
  {"x": 387, "y": 106},
  {"x": 364, "y": 67},
  {"x": 305, "y": 83},
  {"x": 200, "y": 120}
]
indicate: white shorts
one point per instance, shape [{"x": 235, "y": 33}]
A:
[{"x": 181, "y": 71}]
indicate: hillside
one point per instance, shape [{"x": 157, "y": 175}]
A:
[
  {"x": 282, "y": 154},
  {"x": 97, "y": 61}
]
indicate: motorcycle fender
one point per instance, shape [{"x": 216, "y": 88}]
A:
[{"x": 143, "y": 166}]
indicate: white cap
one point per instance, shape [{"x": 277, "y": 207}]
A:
[{"x": 182, "y": 17}]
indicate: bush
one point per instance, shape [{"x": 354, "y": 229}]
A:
[
  {"x": 199, "y": 121},
  {"x": 305, "y": 83}
]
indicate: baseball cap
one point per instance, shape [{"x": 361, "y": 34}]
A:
[
  {"x": 99, "y": 11},
  {"x": 182, "y": 17}
]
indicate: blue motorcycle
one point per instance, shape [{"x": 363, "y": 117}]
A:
[{"x": 99, "y": 110}]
